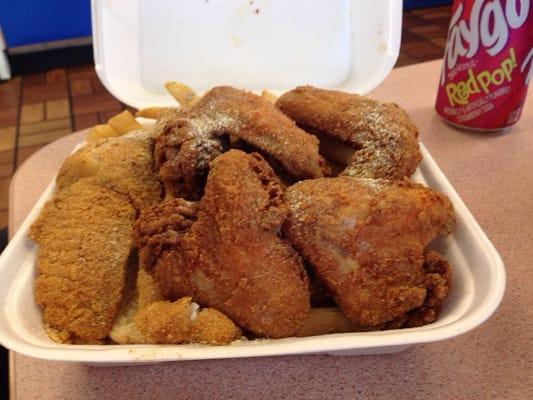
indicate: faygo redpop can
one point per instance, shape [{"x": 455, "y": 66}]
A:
[{"x": 487, "y": 65}]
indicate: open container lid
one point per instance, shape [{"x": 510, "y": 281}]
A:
[{"x": 139, "y": 45}]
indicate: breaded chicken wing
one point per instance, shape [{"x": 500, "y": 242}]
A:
[
  {"x": 232, "y": 258},
  {"x": 382, "y": 135},
  {"x": 186, "y": 141},
  {"x": 365, "y": 239}
]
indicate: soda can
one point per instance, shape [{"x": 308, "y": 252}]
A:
[{"x": 487, "y": 65}]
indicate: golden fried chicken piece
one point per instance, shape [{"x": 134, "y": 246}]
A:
[
  {"x": 165, "y": 322},
  {"x": 213, "y": 327},
  {"x": 84, "y": 238},
  {"x": 157, "y": 232},
  {"x": 438, "y": 280},
  {"x": 232, "y": 257},
  {"x": 187, "y": 140},
  {"x": 365, "y": 239},
  {"x": 384, "y": 137},
  {"x": 123, "y": 164},
  {"x": 144, "y": 318}
]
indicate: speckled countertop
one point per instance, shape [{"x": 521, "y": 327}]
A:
[{"x": 493, "y": 173}]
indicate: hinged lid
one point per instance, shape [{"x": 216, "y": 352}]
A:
[{"x": 254, "y": 44}]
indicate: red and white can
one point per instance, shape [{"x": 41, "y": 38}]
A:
[{"x": 487, "y": 65}]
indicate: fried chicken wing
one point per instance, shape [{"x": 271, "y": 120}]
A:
[
  {"x": 366, "y": 238},
  {"x": 232, "y": 258},
  {"x": 84, "y": 237},
  {"x": 187, "y": 140},
  {"x": 382, "y": 135}
]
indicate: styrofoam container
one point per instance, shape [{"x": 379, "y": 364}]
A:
[{"x": 123, "y": 34}]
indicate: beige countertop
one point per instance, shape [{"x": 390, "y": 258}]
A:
[{"x": 493, "y": 173}]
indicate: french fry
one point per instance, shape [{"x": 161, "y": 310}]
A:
[
  {"x": 149, "y": 112},
  {"x": 124, "y": 122},
  {"x": 182, "y": 93},
  {"x": 101, "y": 132},
  {"x": 324, "y": 320},
  {"x": 268, "y": 96}
]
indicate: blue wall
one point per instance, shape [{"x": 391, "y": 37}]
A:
[{"x": 35, "y": 21}]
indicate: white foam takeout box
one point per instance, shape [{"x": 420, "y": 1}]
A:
[{"x": 351, "y": 45}]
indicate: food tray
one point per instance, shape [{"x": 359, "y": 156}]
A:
[{"x": 478, "y": 287}]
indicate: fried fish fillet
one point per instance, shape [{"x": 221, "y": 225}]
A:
[
  {"x": 84, "y": 238},
  {"x": 123, "y": 164},
  {"x": 366, "y": 238},
  {"x": 382, "y": 134},
  {"x": 231, "y": 258},
  {"x": 186, "y": 141}
]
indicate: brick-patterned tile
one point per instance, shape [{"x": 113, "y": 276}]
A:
[
  {"x": 429, "y": 31},
  {"x": 439, "y": 41},
  {"x": 7, "y": 156},
  {"x": 83, "y": 72},
  {"x": 4, "y": 192},
  {"x": 56, "y": 75},
  {"x": 7, "y": 138},
  {"x": 30, "y": 113},
  {"x": 443, "y": 22},
  {"x": 81, "y": 87},
  {"x": 410, "y": 19},
  {"x": 10, "y": 93},
  {"x": 85, "y": 121},
  {"x": 409, "y": 36},
  {"x": 423, "y": 35},
  {"x": 23, "y": 153},
  {"x": 37, "y": 79},
  {"x": 42, "y": 137},
  {"x": 98, "y": 86},
  {"x": 8, "y": 116},
  {"x": 422, "y": 50},
  {"x": 57, "y": 109},
  {"x": 423, "y": 11},
  {"x": 95, "y": 103},
  {"x": 40, "y": 93},
  {"x": 436, "y": 14},
  {"x": 45, "y": 126},
  {"x": 404, "y": 60},
  {"x": 6, "y": 169}
]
